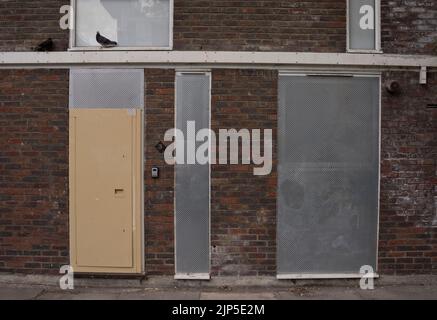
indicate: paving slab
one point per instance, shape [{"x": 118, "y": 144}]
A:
[
  {"x": 68, "y": 295},
  {"x": 29, "y": 287},
  {"x": 318, "y": 294},
  {"x": 160, "y": 295},
  {"x": 400, "y": 292},
  {"x": 19, "y": 293},
  {"x": 237, "y": 296}
]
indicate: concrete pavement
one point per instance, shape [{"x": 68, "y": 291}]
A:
[{"x": 18, "y": 287}]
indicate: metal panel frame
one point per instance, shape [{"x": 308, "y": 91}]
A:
[
  {"x": 294, "y": 276},
  {"x": 378, "y": 48},
  {"x": 194, "y": 276},
  {"x": 72, "y": 41}
]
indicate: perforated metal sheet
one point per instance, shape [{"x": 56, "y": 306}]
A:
[
  {"x": 328, "y": 174},
  {"x": 359, "y": 38},
  {"x": 192, "y": 180},
  {"x": 106, "y": 88}
]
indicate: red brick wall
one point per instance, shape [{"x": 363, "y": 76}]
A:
[
  {"x": 33, "y": 170},
  {"x": 243, "y": 206},
  {"x": 34, "y": 174},
  {"x": 272, "y": 25},
  {"x": 159, "y": 193},
  {"x": 408, "y": 216},
  {"x": 25, "y": 23},
  {"x": 409, "y": 26}
]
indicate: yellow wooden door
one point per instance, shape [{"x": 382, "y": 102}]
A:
[{"x": 105, "y": 173}]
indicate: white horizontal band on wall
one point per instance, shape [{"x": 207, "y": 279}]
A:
[{"x": 172, "y": 59}]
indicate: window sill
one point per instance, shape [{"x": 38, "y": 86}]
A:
[
  {"x": 121, "y": 49},
  {"x": 364, "y": 51}
]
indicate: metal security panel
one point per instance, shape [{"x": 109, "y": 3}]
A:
[
  {"x": 192, "y": 202},
  {"x": 106, "y": 170},
  {"x": 328, "y": 174},
  {"x": 106, "y": 190},
  {"x": 106, "y": 88}
]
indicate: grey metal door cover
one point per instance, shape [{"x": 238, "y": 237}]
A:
[
  {"x": 328, "y": 175},
  {"x": 192, "y": 187},
  {"x": 106, "y": 88}
]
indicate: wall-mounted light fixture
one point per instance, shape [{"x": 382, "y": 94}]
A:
[{"x": 393, "y": 87}]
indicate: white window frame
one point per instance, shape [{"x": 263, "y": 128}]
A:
[
  {"x": 378, "y": 48},
  {"x": 72, "y": 42}
]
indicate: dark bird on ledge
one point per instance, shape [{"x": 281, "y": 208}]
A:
[
  {"x": 46, "y": 45},
  {"x": 105, "y": 42}
]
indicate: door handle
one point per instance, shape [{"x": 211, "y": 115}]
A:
[{"x": 119, "y": 192}]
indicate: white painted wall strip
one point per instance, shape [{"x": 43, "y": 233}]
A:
[{"x": 215, "y": 58}]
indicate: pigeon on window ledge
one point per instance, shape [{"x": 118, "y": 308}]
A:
[{"x": 105, "y": 42}]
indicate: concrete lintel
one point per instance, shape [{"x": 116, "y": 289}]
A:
[{"x": 172, "y": 59}]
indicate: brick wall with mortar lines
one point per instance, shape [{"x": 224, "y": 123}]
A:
[
  {"x": 243, "y": 206},
  {"x": 271, "y": 25},
  {"x": 408, "y": 212},
  {"x": 34, "y": 174},
  {"x": 25, "y": 23},
  {"x": 33, "y": 170},
  {"x": 158, "y": 193},
  {"x": 408, "y": 26}
]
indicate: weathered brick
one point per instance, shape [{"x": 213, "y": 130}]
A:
[
  {"x": 258, "y": 25},
  {"x": 34, "y": 174},
  {"x": 35, "y": 182},
  {"x": 243, "y": 210}
]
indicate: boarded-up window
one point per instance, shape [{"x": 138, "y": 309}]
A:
[
  {"x": 192, "y": 180},
  {"x": 328, "y": 173},
  {"x": 364, "y": 25}
]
